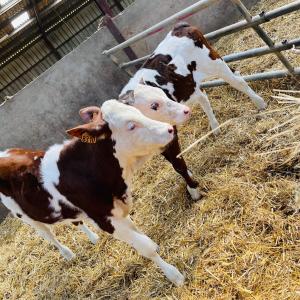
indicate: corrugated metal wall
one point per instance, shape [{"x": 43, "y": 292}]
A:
[{"x": 65, "y": 35}]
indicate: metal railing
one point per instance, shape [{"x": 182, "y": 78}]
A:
[{"x": 249, "y": 22}]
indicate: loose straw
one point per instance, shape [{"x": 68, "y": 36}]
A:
[
  {"x": 204, "y": 137},
  {"x": 223, "y": 125}
]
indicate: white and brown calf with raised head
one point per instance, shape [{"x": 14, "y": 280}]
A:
[
  {"x": 87, "y": 178},
  {"x": 155, "y": 104}
]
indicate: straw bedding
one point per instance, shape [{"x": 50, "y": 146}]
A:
[{"x": 241, "y": 241}]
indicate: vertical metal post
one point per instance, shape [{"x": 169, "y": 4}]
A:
[
  {"x": 262, "y": 34},
  {"x": 109, "y": 23},
  {"x": 104, "y": 7},
  {"x": 119, "y": 5}
]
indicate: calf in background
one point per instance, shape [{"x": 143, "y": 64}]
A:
[{"x": 181, "y": 62}]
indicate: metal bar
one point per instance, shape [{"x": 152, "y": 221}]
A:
[
  {"x": 109, "y": 23},
  {"x": 236, "y": 56},
  {"x": 104, "y": 7},
  {"x": 253, "y": 77},
  {"x": 261, "y": 51},
  {"x": 159, "y": 26},
  {"x": 256, "y": 20},
  {"x": 133, "y": 62},
  {"x": 43, "y": 33},
  {"x": 262, "y": 34},
  {"x": 259, "y": 19}
]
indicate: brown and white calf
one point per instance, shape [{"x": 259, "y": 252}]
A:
[
  {"x": 87, "y": 178},
  {"x": 155, "y": 104},
  {"x": 181, "y": 62},
  {"x": 177, "y": 66}
]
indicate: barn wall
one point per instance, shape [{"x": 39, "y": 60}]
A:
[{"x": 38, "y": 115}]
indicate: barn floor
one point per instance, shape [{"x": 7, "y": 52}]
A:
[{"x": 241, "y": 241}]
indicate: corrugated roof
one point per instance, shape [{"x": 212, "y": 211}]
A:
[{"x": 26, "y": 54}]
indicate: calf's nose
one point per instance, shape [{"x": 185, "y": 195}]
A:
[
  {"x": 170, "y": 130},
  {"x": 186, "y": 111}
]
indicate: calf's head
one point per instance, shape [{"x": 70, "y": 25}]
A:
[
  {"x": 133, "y": 133},
  {"x": 154, "y": 104}
]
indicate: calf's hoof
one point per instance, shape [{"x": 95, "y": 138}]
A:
[
  {"x": 94, "y": 238},
  {"x": 260, "y": 103},
  {"x": 67, "y": 253},
  {"x": 194, "y": 193},
  {"x": 216, "y": 130},
  {"x": 173, "y": 275}
]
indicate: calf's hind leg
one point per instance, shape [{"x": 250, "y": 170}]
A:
[
  {"x": 238, "y": 82},
  {"x": 93, "y": 237},
  {"x": 125, "y": 230}
]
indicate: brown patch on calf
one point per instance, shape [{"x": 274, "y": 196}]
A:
[
  {"x": 20, "y": 180},
  {"x": 196, "y": 35},
  {"x": 19, "y": 162},
  {"x": 91, "y": 179},
  {"x": 184, "y": 86},
  {"x": 28, "y": 192}
]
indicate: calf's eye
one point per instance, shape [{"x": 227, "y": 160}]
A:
[
  {"x": 154, "y": 106},
  {"x": 131, "y": 126}
]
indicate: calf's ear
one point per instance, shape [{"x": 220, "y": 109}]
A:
[
  {"x": 142, "y": 81},
  {"x": 89, "y": 133},
  {"x": 78, "y": 131},
  {"x": 127, "y": 98},
  {"x": 89, "y": 113}
]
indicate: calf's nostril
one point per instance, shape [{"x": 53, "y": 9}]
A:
[
  {"x": 170, "y": 130},
  {"x": 186, "y": 111}
]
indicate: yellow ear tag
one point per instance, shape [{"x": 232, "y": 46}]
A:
[{"x": 86, "y": 138}]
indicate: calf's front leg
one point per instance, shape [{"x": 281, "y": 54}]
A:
[
  {"x": 125, "y": 230},
  {"x": 45, "y": 232},
  {"x": 179, "y": 165}
]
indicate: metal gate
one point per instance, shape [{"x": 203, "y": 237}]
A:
[{"x": 249, "y": 22}]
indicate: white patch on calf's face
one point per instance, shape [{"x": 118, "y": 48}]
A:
[
  {"x": 154, "y": 103},
  {"x": 134, "y": 133}
]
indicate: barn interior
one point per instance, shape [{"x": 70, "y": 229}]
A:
[{"x": 240, "y": 241}]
